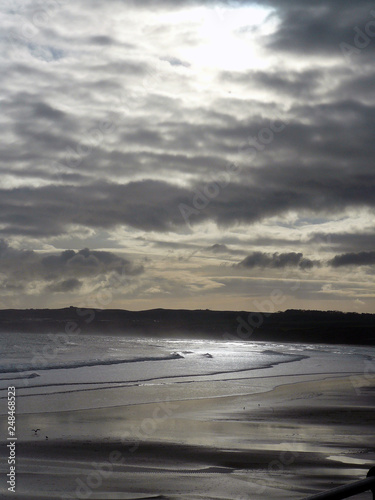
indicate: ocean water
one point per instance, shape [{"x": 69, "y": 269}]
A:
[
  {"x": 269, "y": 420},
  {"x": 58, "y": 372}
]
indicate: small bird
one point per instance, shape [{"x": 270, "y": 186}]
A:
[
  {"x": 36, "y": 431},
  {"x": 47, "y": 437}
]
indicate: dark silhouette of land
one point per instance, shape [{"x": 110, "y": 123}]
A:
[{"x": 323, "y": 327}]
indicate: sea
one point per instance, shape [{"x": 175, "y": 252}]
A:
[
  {"x": 229, "y": 419},
  {"x": 54, "y": 372}
]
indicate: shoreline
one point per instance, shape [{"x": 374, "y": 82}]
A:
[
  {"x": 290, "y": 441},
  {"x": 310, "y": 379}
]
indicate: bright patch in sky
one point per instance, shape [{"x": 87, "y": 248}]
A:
[{"x": 228, "y": 37}]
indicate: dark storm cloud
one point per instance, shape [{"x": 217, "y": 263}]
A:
[
  {"x": 161, "y": 206},
  {"x": 40, "y": 126},
  {"x": 331, "y": 132},
  {"x": 345, "y": 242},
  {"x": 301, "y": 84},
  {"x": 150, "y": 205},
  {"x": 359, "y": 85},
  {"x": 276, "y": 260},
  {"x": 318, "y": 27},
  {"x": 354, "y": 259},
  {"x": 328, "y": 131}
]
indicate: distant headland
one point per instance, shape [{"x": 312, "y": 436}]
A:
[{"x": 323, "y": 327}]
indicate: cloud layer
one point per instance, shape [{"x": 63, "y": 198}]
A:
[
  {"x": 27, "y": 271},
  {"x": 276, "y": 260},
  {"x": 204, "y": 133}
]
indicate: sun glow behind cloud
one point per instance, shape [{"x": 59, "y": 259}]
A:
[{"x": 227, "y": 36}]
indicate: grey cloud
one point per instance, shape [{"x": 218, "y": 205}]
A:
[
  {"x": 161, "y": 206},
  {"x": 15, "y": 260},
  {"x": 346, "y": 242},
  {"x": 43, "y": 110},
  {"x": 218, "y": 248},
  {"x": 334, "y": 130},
  {"x": 61, "y": 272},
  {"x": 359, "y": 85},
  {"x": 292, "y": 83},
  {"x": 120, "y": 68},
  {"x": 265, "y": 241},
  {"x": 45, "y": 53},
  {"x": 175, "y": 245},
  {"x": 143, "y": 137},
  {"x": 354, "y": 259},
  {"x": 67, "y": 81},
  {"x": 65, "y": 286},
  {"x": 276, "y": 260},
  {"x": 222, "y": 248},
  {"x": 174, "y": 61},
  {"x": 318, "y": 27},
  {"x": 101, "y": 40},
  {"x": 147, "y": 204},
  {"x": 87, "y": 262}
]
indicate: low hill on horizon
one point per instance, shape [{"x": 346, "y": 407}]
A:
[{"x": 306, "y": 326}]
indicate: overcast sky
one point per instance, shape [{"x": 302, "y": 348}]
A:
[{"x": 187, "y": 154}]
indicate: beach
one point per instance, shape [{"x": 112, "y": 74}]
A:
[{"x": 283, "y": 430}]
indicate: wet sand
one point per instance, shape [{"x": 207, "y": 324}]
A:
[{"x": 297, "y": 438}]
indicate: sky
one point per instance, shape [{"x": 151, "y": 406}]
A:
[{"x": 187, "y": 154}]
